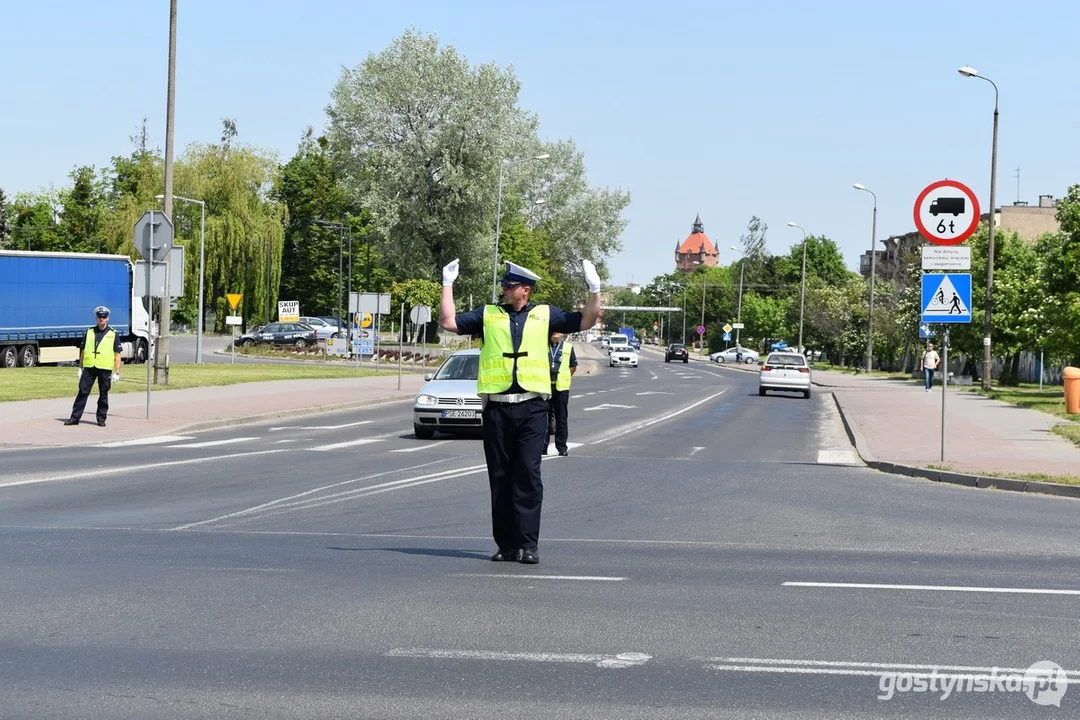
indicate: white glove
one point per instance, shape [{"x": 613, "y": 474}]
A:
[
  {"x": 80, "y": 373},
  {"x": 592, "y": 278},
  {"x": 450, "y": 273},
  {"x": 116, "y": 377}
]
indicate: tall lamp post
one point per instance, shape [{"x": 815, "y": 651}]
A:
[
  {"x": 341, "y": 254},
  {"x": 738, "y": 313},
  {"x": 972, "y": 72},
  {"x": 802, "y": 283},
  {"x": 202, "y": 265},
  {"x": 873, "y": 270},
  {"x": 498, "y": 221}
]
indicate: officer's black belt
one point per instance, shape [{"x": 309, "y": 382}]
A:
[{"x": 515, "y": 355}]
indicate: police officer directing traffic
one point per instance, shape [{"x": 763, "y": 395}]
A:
[
  {"x": 563, "y": 363},
  {"x": 99, "y": 360},
  {"x": 514, "y": 384}
]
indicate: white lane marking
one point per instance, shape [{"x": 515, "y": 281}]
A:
[
  {"x": 214, "y": 443},
  {"x": 659, "y": 419},
  {"x": 828, "y": 667},
  {"x": 306, "y": 493},
  {"x": 621, "y": 660},
  {"x": 837, "y": 457},
  {"x": 320, "y": 427},
  {"x": 133, "y": 468},
  {"x": 421, "y": 447},
  {"x": 942, "y": 588},
  {"x": 654, "y": 392},
  {"x": 577, "y": 397},
  {"x": 591, "y": 578},
  {"x": 290, "y": 440},
  {"x": 608, "y": 405},
  {"x": 340, "y": 445},
  {"x": 695, "y": 450},
  {"x": 156, "y": 440}
]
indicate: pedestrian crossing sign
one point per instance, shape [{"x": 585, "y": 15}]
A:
[{"x": 946, "y": 298}]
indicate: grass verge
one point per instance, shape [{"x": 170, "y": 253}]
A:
[
  {"x": 40, "y": 383},
  {"x": 1037, "y": 477}
]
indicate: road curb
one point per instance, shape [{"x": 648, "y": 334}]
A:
[{"x": 986, "y": 482}]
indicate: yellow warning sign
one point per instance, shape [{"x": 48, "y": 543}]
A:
[{"x": 234, "y": 299}]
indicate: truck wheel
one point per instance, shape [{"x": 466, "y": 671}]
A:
[
  {"x": 140, "y": 351},
  {"x": 8, "y": 357},
  {"x": 27, "y": 356}
]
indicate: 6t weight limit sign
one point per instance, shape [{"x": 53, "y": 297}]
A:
[{"x": 947, "y": 212}]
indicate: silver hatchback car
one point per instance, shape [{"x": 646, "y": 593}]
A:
[
  {"x": 448, "y": 401},
  {"x": 785, "y": 371}
]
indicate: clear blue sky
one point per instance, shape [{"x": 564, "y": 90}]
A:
[{"x": 730, "y": 109}]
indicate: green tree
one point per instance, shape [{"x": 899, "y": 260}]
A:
[
  {"x": 244, "y": 227},
  {"x": 765, "y": 318},
  {"x": 5, "y": 228},
  {"x": 823, "y": 260},
  {"x": 419, "y": 133},
  {"x": 83, "y": 205}
]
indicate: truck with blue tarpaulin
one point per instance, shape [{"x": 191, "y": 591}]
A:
[{"x": 47, "y": 302}]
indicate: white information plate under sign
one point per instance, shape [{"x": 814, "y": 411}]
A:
[
  {"x": 737, "y": 326},
  {"x": 336, "y": 346},
  {"x": 234, "y": 320},
  {"x": 953, "y": 257}
]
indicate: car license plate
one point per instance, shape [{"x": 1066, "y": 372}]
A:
[{"x": 468, "y": 414}]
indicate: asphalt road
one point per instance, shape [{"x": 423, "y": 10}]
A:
[
  {"x": 216, "y": 350},
  {"x": 702, "y": 556}
]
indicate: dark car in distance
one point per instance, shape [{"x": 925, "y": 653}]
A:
[{"x": 676, "y": 351}]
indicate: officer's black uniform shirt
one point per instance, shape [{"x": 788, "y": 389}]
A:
[
  {"x": 99, "y": 335},
  {"x": 472, "y": 323}
]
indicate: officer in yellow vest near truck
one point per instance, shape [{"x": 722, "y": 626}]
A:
[
  {"x": 563, "y": 365},
  {"x": 99, "y": 360},
  {"x": 514, "y": 384}
]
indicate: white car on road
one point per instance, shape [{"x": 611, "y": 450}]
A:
[
  {"x": 785, "y": 371},
  {"x": 734, "y": 355},
  {"x": 623, "y": 355},
  {"x": 447, "y": 401}
]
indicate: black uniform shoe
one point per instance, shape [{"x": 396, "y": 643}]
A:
[
  {"x": 529, "y": 557},
  {"x": 505, "y": 555},
  {"x": 101, "y": 423},
  {"x": 71, "y": 421},
  {"x": 564, "y": 452}
]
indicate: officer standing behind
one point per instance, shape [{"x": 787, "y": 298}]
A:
[
  {"x": 514, "y": 383},
  {"x": 99, "y": 360},
  {"x": 563, "y": 363}
]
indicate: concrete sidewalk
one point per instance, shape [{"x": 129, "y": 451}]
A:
[
  {"x": 899, "y": 422},
  {"x": 40, "y": 422}
]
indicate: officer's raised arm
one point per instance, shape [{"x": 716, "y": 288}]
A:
[
  {"x": 591, "y": 312},
  {"x": 447, "y": 311}
]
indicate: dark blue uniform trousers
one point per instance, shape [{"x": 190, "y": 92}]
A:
[
  {"x": 86, "y": 384},
  {"x": 515, "y": 435}
]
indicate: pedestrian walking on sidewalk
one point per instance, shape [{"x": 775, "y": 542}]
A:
[
  {"x": 928, "y": 364},
  {"x": 514, "y": 384},
  {"x": 99, "y": 360},
  {"x": 563, "y": 362}
]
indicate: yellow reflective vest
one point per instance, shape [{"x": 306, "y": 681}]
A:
[
  {"x": 101, "y": 355},
  {"x": 498, "y": 359},
  {"x": 562, "y": 380}
]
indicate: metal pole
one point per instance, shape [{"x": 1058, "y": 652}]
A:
[
  {"x": 738, "y": 313},
  {"x": 987, "y": 359},
  {"x": 401, "y": 345},
  {"x": 802, "y": 289},
  {"x": 701, "y": 338},
  {"x": 267, "y": 280},
  {"x": 498, "y": 229},
  {"x": 202, "y": 266},
  {"x": 1041, "y": 351},
  {"x": 151, "y": 356},
  {"x": 350, "y": 333},
  {"x": 873, "y": 270},
  {"x": 944, "y": 389},
  {"x": 161, "y": 358},
  {"x": 340, "y": 270},
  {"x": 684, "y": 316}
]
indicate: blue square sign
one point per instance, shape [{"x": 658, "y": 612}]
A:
[{"x": 946, "y": 298}]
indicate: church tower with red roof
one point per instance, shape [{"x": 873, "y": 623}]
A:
[{"x": 696, "y": 249}]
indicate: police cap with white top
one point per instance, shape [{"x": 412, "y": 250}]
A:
[{"x": 517, "y": 275}]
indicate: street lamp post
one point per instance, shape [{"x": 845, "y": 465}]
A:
[
  {"x": 738, "y": 312},
  {"x": 341, "y": 251},
  {"x": 498, "y": 221},
  {"x": 987, "y": 361},
  {"x": 802, "y": 283},
  {"x": 202, "y": 266},
  {"x": 873, "y": 269}
]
